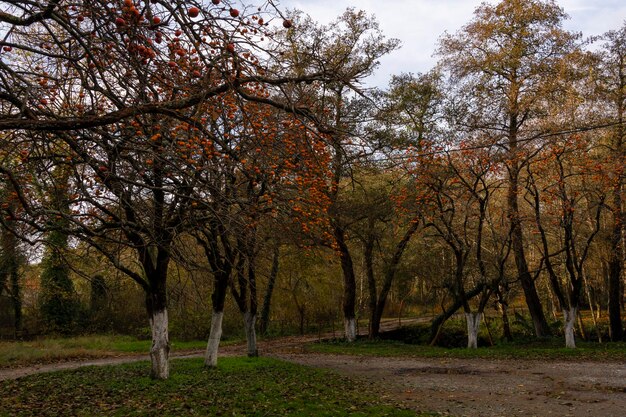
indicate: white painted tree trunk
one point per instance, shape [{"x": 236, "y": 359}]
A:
[
  {"x": 473, "y": 324},
  {"x": 570, "y": 320},
  {"x": 160, "y": 350},
  {"x": 249, "y": 320},
  {"x": 350, "y": 329},
  {"x": 210, "y": 357}
]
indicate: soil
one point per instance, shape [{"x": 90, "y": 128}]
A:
[
  {"x": 457, "y": 387},
  {"x": 481, "y": 387}
]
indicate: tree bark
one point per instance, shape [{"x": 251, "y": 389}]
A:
[
  {"x": 517, "y": 236},
  {"x": 350, "y": 329},
  {"x": 368, "y": 255},
  {"x": 349, "y": 285},
  {"x": 616, "y": 270},
  {"x": 528, "y": 284},
  {"x": 445, "y": 315},
  {"x": 473, "y": 325},
  {"x": 249, "y": 321},
  {"x": 16, "y": 298},
  {"x": 506, "y": 325},
  {"x": 160, "y": 350},
  {"x": 156, "y": 305},
  {"x": 618, "y": 236},
  {"x": 210, "y": 356},
  {"x": 390, "y": 274},
  {"x": 267, "y": 299},
  {"x": 9, "y": 271},
  {"x": 569, "y": 316}
]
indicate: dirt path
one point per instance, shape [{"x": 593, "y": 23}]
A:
[
  {"x": 282, "y": 344},
  {"x": 458, "y": 387},
  {"x": 481, "y": 387},
  {"x": 14, "y": 373}
]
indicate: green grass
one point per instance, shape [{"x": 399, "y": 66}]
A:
[
  {"x": 540, "y": 349},
  {"x": 58, "y": 349},
  {"x": 237, "y": 387}
]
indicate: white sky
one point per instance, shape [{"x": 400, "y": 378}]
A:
[{"x": 419, "y": 23}]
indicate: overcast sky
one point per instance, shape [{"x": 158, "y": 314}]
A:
[{"x": 419, "y": 23}]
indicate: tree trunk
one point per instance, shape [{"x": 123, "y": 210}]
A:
[
  {"x": 569, "y": 316},
  {"x": 581, "y": 327},
  {"x": 473, "y": 324},
  {"x": 302, "y": 314},
  {"x": 218, "y": 298},
  {"x": 350, "y": 329},
  {"x": 160, "y": 350},
  {"x": 618, "y": 235},
  {"x": 517, "y": 240},
  {"x": 506, "y": 325},
  {"x": 374, "y": 325},
  {"x": 368, "y": 255},
  {"x": 437, "y": 323},
  {"x": 267, "y": 299},
  {"x": 349, "y": 284},
  {"x": 9, "y": 271},
  {"x": 16, "y": 297},
  {"x": 210, "y": 357},
  {"x": 377, "y": 305},
  {"x": 615, "y": 287},
  {"x": 156, "y": 305},
  {"x": 591, "y": 309},
  {"x": 249, "y": 321}
]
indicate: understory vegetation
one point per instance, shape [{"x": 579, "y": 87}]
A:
[{"x": 413, "y": 341}]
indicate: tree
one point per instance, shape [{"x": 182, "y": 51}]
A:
[
  {"x": 407, "y": 120},
  {"x": 11, "y": 258},
  {"x": 269, "y": 292},
  {"x": 269, "y": 164},
  {"x": 457, "y": 204},
  {"x": 507, "y": 61},
  {"x": 383, "y": 229},
  {"x": 613, "y": 75},
  {"x": 127, "y": 88},
  {"x": 354, "y": 43},
  {"x": 566, "y": 183},
  {"x": 129, "y": 46}
]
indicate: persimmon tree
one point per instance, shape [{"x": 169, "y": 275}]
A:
[
  {"x": 115, "y": 54},
  {"x": 506, "y": 63},
  {"x": 126, "y": 88},
  {"x": 266, "y": 165}
]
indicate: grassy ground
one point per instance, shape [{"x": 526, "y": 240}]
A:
[
  {"x": 543, "y": 349},
  {"x": 51, "y": 350},
  {"x": 238, "y": 387}
]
